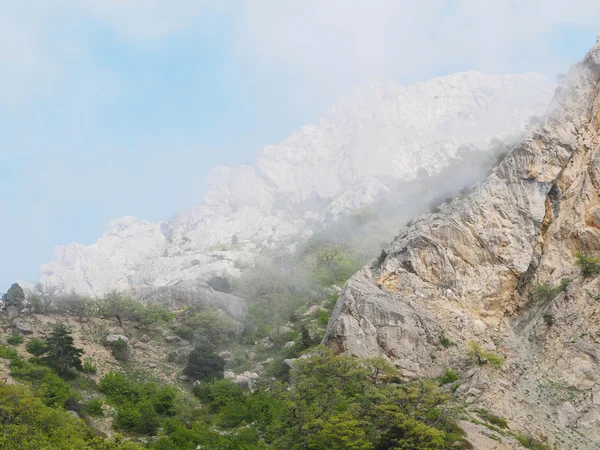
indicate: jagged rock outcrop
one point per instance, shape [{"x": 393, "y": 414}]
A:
[
  {"x": 470, "y": 271},
  {"x": 371, "y": 139}
]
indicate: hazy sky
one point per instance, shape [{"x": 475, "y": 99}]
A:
[{"x": 121, "y": 107}]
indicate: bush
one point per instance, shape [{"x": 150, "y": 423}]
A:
[
  {"x": 204, "y": 364},
  {"x": 15, "y": 339},
  {"x": 549, "y": 319},
  {"x": 88, "y": 366},
  {"x": 120, "y": 350},
  {"x": 119, "y": 388},
  {"x": 483, "y": 356},
  {"x": 8, "y": 353},
  {"x": 446, "y": 343},
  {"x": 491, "y": 418},
  {"x": 450, "y": 376},
  {"x": 36, "y": 347},
  {"x": 587, "y": 264},
  {"x": 380, "y": 259},
  {"x": 94, "y": 407}
]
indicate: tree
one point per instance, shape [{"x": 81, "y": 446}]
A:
[
  {"x": 204, "y": 364},
  {"x": 14, "y": 297},
  {"x": 62, "y": 355},
  {"x": 49, "y": 293}
]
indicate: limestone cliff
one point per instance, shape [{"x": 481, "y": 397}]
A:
[{"x": 473, "y": 271}]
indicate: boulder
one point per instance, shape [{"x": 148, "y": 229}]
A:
[
  {"x": 289, "y": 363},
  {"x": 140, "y": 346},
  {"x": 12, "y": 312},
  {"x": 172, "y": 339},
  {"x": 151, "y": 365},
  {"x": 112, "y": 338},
  {"x": 23, "y": 327},
  {"x": 227, "y": 356},
  {"x": 246, "y": 380},
  {"x": 145, "y": 339}
]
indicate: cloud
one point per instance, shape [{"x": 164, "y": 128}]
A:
[
  {"x": 328, "y": 43},
  {"x": 339, "y": 42}
]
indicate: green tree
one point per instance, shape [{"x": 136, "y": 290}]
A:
[
  {"x": 204, "y": 364},
  {"x": 14, "y": 297},
  {"x": 62, "y": 354}
]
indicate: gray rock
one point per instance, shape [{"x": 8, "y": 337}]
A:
[
  {"x": 145, "y": 339},
  {"x": 246, "y": 380},
  {"x": 23, "y": 327},
  {"x": 112, "y": 338},
  {"x": 152, "y": 365},
  {"x": 172, "y": 339},
  {"x": 183, "y": 378},
  {"x": 140, "y": 346},
  {"x": 289, "y": 362},
  {"x": 227, "y": 356},
  {"x": 12, "y": 312}
]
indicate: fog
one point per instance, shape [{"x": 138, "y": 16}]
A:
[{"x": 113, "y": 108}]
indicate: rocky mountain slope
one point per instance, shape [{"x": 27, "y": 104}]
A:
[
  {"x": 373, "y": 138},
  {"x": 486, "y": 273}
]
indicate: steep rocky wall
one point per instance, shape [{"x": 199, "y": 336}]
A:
[{"x": 465, "y": 273}]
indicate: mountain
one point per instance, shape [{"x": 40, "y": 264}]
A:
[
  {"x": 375, "y": 137},
  {"x": 498, "y": 274}
]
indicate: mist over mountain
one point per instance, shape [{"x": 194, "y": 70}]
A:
[{"x": 376, "y": 138}]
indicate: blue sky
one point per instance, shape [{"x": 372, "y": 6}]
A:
[{"x": 113, "y": 107}]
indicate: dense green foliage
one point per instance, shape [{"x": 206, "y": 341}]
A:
[
  {"x": 330, "y": 402},
  {"x": 28, "y": 423}
]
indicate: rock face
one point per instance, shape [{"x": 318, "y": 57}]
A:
[
  {"x": 470, "y": 271},
  {"x": 376, "y": 136}
]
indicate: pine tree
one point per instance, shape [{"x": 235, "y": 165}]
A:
[{"x": 62, "y": 355}]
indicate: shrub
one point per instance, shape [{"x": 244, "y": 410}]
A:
[
  {"x": 128, "y": 417},
  {"x": 8, "y": 353},
  {"x": 532, "y": 443},
  {"x": 94, "y": 407},
  {"x": 15, "y": 339},
  {"x": 36, "y": 347},
  {"x": 450, "y": 376},
  {"x": 483, "y": 356},
  {"x": 588, "y": 265},
  {"x": 204, "y": 364},
  {"x": 88, "y": 366},
  {"x": 120, "y": 350},
  {"x": 380, "y": 259},
  {"x": 491, "y": 418},
  {"x": 446, "y": 343},
  {"x": 119, "y": 388},
  {"x": 549, "y": 319}
]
